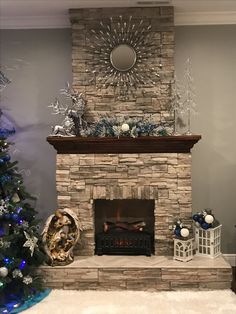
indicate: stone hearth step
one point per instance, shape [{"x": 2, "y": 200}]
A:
[{"x": 153, "y": 273}]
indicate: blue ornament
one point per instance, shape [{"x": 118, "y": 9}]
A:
[
  {"x": 15, "y": 217},
  {"x": 2, "y": 232},
  {"x": 177, "y": 232},
  {"x": 195, "y": 217},
  {"x": 201, "y": 219},
  {"x": 1, "y": 161},
  {"x": 7, "y": 216},
  {"x": 7, "y": 260},
  {"x": 205, "y": 225},
  {"x": 6, "y": 158}
]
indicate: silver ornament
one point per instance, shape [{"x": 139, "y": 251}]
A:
[{"x": 3, "y": 272}]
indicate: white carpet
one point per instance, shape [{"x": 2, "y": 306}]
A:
[{"x": 131, "y": 302}]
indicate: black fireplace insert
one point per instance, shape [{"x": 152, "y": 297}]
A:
[{"x": 124, "y": 243}]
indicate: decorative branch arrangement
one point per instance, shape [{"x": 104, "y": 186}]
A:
[
  {"x": 73, "y": 123},
  {"x": 183, "y": 98},
  {"x": 189, "y": 96}
]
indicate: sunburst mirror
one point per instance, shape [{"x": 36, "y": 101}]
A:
[{"x": 123, "y": 56}]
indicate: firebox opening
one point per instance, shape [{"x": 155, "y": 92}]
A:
[{"x": 124, "y": 227}]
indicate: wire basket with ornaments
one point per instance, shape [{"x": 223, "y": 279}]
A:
[
  {"x": 207, "y": 234},
  {"x": 183, "y": 243}
]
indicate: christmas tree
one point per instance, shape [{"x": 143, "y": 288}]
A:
[
  {"x": 19, "y": 247},
  {"x": 19, "y": 239}
]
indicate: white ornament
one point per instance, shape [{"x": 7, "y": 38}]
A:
[
  {"x": 31, "y": 242},
  {"x": 3, "y": 272},
  {"x": 184, "y": 232},
  {"x": 125, "y": 127},
  {"x": 209, "y": 219}
]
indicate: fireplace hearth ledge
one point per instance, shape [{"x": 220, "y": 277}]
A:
[{"x": 153, "y": 273}]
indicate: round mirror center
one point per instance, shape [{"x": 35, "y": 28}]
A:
[{"x": 123, "y": 57}]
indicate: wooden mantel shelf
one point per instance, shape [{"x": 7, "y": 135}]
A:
[{"x": 109, "y": 145}]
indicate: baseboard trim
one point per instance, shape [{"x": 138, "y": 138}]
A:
[{"x": 231, "y": 258}]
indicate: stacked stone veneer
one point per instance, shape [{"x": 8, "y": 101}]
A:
[
  {"x": 165, "y": 178},
  {"x": 137, "y": 278},
  {"x": 147, "y": 99}
]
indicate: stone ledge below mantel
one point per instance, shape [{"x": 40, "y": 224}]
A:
[{"x": 144, "y": 144}]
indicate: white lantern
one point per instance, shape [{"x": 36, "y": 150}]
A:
[
  {"x": 209, "y": 219},
  {"x": 125, "y": 127},
  {"x": 3, "y": 272},
  {"x": 184, "y": 232}
]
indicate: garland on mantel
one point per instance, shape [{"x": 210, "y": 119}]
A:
[{"x": 126, "y": 126}]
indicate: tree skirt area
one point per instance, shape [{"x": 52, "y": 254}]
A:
[{"x": 132, "y": 302}]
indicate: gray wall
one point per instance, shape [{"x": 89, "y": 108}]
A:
[
  {"x": 39, "y": 64},
  {"x": 212, "y": 50}
]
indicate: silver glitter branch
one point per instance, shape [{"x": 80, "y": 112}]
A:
[
  {"x": 183, "y": 98},
  {"x": 73, "y": 122},
  {"x": 4, "y": 81},
  {"x": 189, "y": 95},
  {"x": 176, "y": 102}
]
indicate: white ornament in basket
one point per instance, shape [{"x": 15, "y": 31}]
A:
[
  {"x": 183, "y": 249},
  {"x": 208, "y": 242}
]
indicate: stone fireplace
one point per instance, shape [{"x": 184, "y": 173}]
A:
[
  {"x": 128, "y": 180},
  {"x": 90, "y": 181}
]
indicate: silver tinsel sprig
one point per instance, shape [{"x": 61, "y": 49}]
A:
[
  {"x": 31, "y": 242},
  {"x": 27, "y": 280},
  {"x": 3, "y": 207},
  {"x": 17, "y": 273},
  {"x": 4, "y": 244}
]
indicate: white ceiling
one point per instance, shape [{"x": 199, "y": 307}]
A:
[{"x": 54, "y": 13}]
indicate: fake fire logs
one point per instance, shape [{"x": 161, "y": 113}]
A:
[{"x": 137, "y": 226}]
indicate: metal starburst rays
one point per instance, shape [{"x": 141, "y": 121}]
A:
[{"x": 136, "y": 35}]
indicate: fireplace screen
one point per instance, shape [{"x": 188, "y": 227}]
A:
[{"x": 124, "y": 227}]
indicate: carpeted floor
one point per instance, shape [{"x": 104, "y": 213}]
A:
[{"x": 130, "y": 302}]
